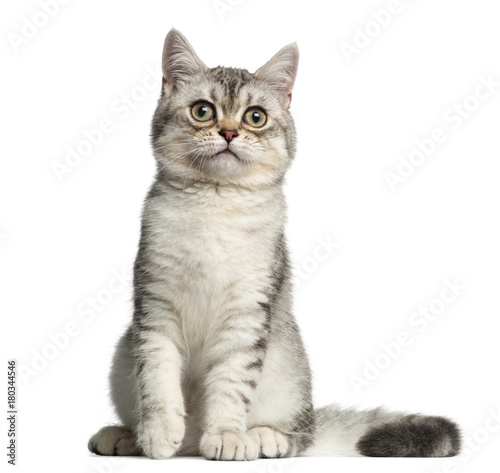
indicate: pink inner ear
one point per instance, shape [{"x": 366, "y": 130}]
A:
[
  {"x": 280, "y": 71},
  {"x": 179, "y": 60}
]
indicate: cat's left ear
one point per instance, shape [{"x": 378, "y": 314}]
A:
[
  {"x": 280, "y": 71},
  {"x": 179, "y": 61}
]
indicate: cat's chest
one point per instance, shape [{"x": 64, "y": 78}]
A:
[{"x": 214, "y": 252}]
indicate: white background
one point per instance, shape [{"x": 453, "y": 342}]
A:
[{"x": 61, "y": 240}]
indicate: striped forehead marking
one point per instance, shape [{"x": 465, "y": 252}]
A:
[{"x": 231, "y": 81}]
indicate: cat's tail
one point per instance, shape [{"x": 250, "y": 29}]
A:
[{"x": 379, "y": 433}]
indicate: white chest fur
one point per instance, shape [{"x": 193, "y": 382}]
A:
[{"x": 211, "y": 250}]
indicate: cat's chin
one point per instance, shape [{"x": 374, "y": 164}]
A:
[
  {"x": 225, "y": 155},
  {"x": 225, "y": 163}
]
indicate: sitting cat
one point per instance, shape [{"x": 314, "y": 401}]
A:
[{"x": 213, "y": 363}]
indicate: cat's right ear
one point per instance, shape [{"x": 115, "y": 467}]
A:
[
  {"x": 281, "y": 70},
  {"x": 179, "y": 60}
]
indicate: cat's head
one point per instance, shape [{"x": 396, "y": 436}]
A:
[{"x": 224, "y": 125}]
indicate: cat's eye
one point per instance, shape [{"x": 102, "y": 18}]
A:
[
  {"x": 203, "y": 111},
  {"x": 255, "y": 117}
]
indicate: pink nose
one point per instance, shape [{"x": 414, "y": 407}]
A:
[{"x": 228, "y": 134}]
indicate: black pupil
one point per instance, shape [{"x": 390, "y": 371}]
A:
[
  {"x": 202, "y": 111},
  {"x": 256, "y": 117}
]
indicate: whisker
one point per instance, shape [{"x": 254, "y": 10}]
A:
[
  {"x": 264, "y": 139},
  {"x": 170, "y": 161},
  {"x": 199, "y": 152}
]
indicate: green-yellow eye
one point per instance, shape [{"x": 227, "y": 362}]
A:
[
  {"x": 203, "y": 111},
  {"x": 255, "y": 117}
]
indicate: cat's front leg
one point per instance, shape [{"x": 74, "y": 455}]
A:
[
  {"x": 161, "y": 405},
  {"x": 230, "y": 387}
]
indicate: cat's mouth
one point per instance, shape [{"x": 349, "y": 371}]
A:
[{"x": 226, "y": 153}]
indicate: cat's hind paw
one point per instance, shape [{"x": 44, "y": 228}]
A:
[{"x": 113, "y": 440}]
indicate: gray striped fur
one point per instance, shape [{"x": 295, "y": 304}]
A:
[{"x": 213, "y": 363}]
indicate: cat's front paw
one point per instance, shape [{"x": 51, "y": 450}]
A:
[
  {"x": 160, "y": 437},
  {"x": 272, "y": 443},
  {"x": 228, "y": 446}
]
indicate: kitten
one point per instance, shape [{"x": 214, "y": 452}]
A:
[{"x": 213, "y": 363}]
